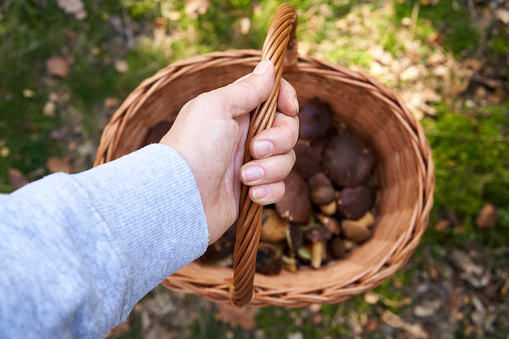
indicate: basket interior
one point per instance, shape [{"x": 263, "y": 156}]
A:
[{"x": 367, "y": 114}]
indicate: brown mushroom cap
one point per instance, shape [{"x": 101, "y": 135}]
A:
[
  {"x": 274, "y": 227},
  {"x": 337, "y": 247},
  {"x": 355, "y": 231},
  {"x": 347, "y": 160},
  {"x": 353, "y": 203},
  {"x": 315, "y": 120},
  {"x": 156, "y": 133},
  {"x": 295, "y": 205},
  {"x": 319, "y": 179},
  {"x": 308, "y": 157},
  {"x": 322, "y": 195},
  {"x": 330, "y": 223},
  {"x": 317, "y": 233},
  {"x": 268, "y": 261}
]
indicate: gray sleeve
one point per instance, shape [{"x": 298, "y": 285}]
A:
[{"x": 78, "y": 251}]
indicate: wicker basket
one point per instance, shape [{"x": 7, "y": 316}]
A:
[{"x": 403, "y": 174}]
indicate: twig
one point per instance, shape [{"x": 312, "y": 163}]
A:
[
  {"x": 415, "y": 15},
  {"x": 491, "y": 83}
]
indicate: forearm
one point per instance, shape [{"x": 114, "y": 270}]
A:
[{"x": 80, "y": 250}]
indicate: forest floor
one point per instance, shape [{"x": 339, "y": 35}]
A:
[{"x": 67, "y": 66}]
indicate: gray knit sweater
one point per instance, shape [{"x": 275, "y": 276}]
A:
[{"x": 78, "y": 251}]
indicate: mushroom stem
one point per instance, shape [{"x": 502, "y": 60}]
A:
[
  {"x": 317, "y": 248},
  {"x": 367, "y": 220},
  {"x": 329, "y": 209}
]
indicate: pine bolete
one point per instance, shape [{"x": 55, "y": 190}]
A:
[
  {"x": 318, "y": 236},
  {"x": 337, "y": 247},
  {"x": 322, "y": 193},
  {"x": 319, "y": 179},
  {"x": 315, "y": 120},
  {"x": 268, "y": 261},
  {"x": 295, "y": 205},
  {"x": 367, "y": 219},
  {"x": 274, "y": 226},
  {"x": 355, "y": 231},
  {"x": 354, "y": 202},
  {"x": 294, "y": 236},
  {"x": 330, "y": 223},
  {"x": 308, "y": 157},
  {"x": 223, "y": 246},
  {"x": 347, "y": 160}
]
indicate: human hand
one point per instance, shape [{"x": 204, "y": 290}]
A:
[{"x": 210, "y": 133}]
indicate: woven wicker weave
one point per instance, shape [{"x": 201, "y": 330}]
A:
[{"x": 404, "y": 172}]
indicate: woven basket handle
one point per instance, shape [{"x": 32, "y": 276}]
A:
[{"x": 281, "y": 35}]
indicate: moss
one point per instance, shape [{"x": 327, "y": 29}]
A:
[
  {"x": 448, "y": 17},
  {"x": 471, "y": 156}
]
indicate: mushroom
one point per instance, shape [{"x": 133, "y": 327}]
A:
[
  {"x": 354, "y": 202},
  {"x": 304, "y": 255},
  {"x": 308, "y": 157},
  {"x": 355, "y": 231},
  {"x": 319, "y": 179},
  {"x": 268, "y": 261},
  {"x": 156, "y": 133},
  {"x": 349, "y": 245},
  {"x": 329, "y": 209},
  {"x": 290, "y": 263},
  {"x": 347, "y": 160},
  {"x": 295, "y": 205},
  {"x": 294, "y": 236},
  {"x": 367, "y": 219},
  {"x": 337, "y": 247},
  {"x": 322, "y": 193},
  {"x": 274, "y": 226},
  {"x": 223, "y": 246},
  {"x": 330, "y": 223},
  {"x": 315, "y": 120},
  {"x": 318, "y": 236}
]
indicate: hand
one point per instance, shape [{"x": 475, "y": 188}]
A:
[{"x": 210, "y": 133}]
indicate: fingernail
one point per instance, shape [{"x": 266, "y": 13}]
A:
[
  {"x": 260, "y": 192},
  {"x": 263, "y": 148},
  {"x": 262, "y": 67},
  {"x": 296, "y": 104},
  {"x": 252, "y": 173}
]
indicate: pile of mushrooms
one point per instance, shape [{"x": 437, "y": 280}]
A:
[{"x": 326, "y": 210}]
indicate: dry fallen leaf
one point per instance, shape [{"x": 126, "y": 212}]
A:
[
  {"x": 74, "y": 7},
  {"x": 393, "y": 320},
  {"x": 49, "y": 109},
  {"x": 487, "y": 217},
  {"x": 243, "y": 317},
  {"x": 28, "y": 93},
  {"x": 111, "y": 102},
  {"x": 55, "y": 164},
  {"x": 121, "y": 66},
  {"x": 57, "y": 66},
  {"x": 195, "y": 8},
  {"x": 245, "y": 25},
  {"x": 16, "y": 178}
]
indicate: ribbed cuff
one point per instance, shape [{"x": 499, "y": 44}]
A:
[{"x": 150, "y": 201}]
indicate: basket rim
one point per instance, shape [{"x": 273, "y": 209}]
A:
[{"x": 186, "y": 280}]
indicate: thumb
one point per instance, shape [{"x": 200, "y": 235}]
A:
[{"x": 248, "y": 92}]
